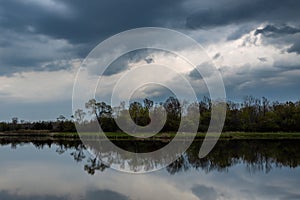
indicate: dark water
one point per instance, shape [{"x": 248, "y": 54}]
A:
[{"x": 237, "y": 169}]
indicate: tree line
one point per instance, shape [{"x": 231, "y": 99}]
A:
[
  {"x": 251, "y": 115},
  {"x": 61, "y": 124}
]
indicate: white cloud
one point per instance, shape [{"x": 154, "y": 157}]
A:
[{"x": 39, "y": 86}]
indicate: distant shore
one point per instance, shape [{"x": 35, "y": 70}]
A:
[{"x": 163, "y": 136}]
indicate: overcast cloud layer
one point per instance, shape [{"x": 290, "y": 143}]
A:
[{"x": 255, "y": 44}]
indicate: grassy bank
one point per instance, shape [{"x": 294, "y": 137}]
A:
[{"x": 225, "y": 135}]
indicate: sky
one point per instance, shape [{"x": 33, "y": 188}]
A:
[{"x": 254, "y": 44}]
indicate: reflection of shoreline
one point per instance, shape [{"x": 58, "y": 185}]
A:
[
  {"x": 160, "y": 136},
  {"x": 257, "y": 155}
]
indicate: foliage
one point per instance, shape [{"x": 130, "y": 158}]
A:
[{"x": 252, "y": 115}]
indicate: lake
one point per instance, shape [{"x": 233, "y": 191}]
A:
[{"x": 47, "y": 169}]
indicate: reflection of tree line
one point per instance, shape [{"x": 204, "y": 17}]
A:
[
  {"x": 80, "y": 155},
  {"x": 75, "y": 147},
  {"x": 257, "y": 155}
]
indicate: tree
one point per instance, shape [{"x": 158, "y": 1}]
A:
[
  {"x": 148, "y": 104},
  {"x": 79, "y": 116},
  {"x": 98, "y": 109},
  {"x": 136, "y": 112},
  {"x": 205, "y": 114},
  {"x": 15, "y": 123},
  {"x": 14, "y": 120},
  {"x": 92, "y": 105},
  {"x": 173, "y": 109}
]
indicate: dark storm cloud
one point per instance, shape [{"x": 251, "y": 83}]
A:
[
  {"x": 204, "y": 68},
  {"x": 235, "y": 12},
  {"x": 26, "y": 51},
  {"x": 140, "y": 55},
  {"x": 83, "y": 25},
  {"x": 122, "y": 62},
  {"x": 281, "y": 34},
  {"x": 80, "y": 24},
  {"x": 247, "y": 15},
  {"x": 273, "y": 31},
  {"x": 87, "y": 22},
  {"x": 241, "y": 30},
  {"x": 31, "y": 53},
  {"x": 295, "y": 47},
  {"x": 279, "y": 82},
  {"x": 283, "y": 68},
  {"x": 195, "y": 75},
  {"x": 43, "y": 35}
]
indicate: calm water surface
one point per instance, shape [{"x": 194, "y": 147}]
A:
[{"x": 248, "y": 169}]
